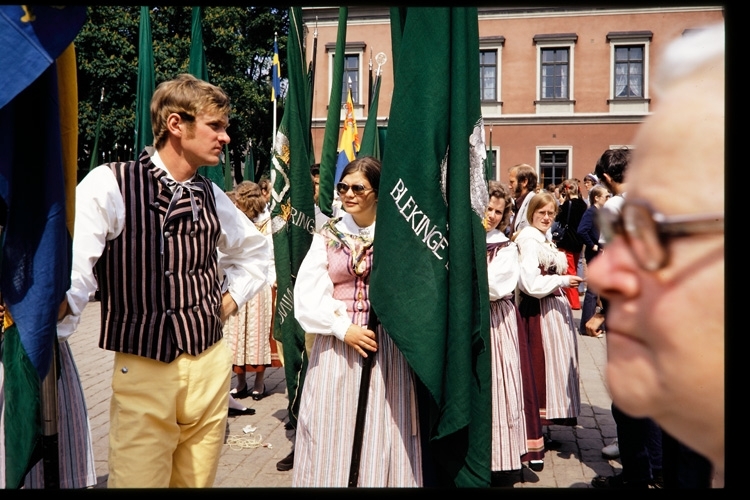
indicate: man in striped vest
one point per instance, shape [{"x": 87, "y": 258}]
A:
[{"x": 173, "y": 258}]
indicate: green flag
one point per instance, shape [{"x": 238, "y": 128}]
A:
[
  {"x": 329, "y": 154},
  {"x": 371, "y": 138},
  {"x": 249, "y": 163},
  {"x": 197, "y": 64},
  {"x": 433, "y": 299},
  {"x": 292, "y": 209},
  {"x": 228, "y": 175},
  {"x": 197, "y": 67},
  {"x": 144, "y": 135}
]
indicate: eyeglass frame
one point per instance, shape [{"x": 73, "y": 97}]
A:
[
  {"x": 358, "y": 189},
  {"x": 667, "y": 227}
]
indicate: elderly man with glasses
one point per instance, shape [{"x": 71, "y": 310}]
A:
[{"x": 662, "y": 271}]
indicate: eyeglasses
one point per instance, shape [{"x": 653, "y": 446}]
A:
[
  {"x": 357, "y": 189},
  {"x": 647, "y": 232}
]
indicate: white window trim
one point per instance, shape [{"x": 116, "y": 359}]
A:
[
  {"x": 495, "y": 108},
  {"x": 629, "y": 106},
  {"x": 555, "y": 107}
]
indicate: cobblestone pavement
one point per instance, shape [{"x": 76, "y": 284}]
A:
[{"x": 573, "y": 465}]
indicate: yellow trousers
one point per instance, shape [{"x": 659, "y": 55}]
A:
[{"x": 168, "y": 420}]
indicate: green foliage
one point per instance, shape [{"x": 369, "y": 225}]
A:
[{"x": 238, "y": 45}]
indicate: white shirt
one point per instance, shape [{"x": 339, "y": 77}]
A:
[
  {"x": 535, "y": 249},
  {"x": 503, "y": 271},
  {"x": 243, "y": 252},
  {"x": 614, "y": 205},
  {"x": 314, "y": 306}
]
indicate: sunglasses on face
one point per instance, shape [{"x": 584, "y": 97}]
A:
[
  {"x": 357, "y": 189},
  {"x": 647, "y": 232}
]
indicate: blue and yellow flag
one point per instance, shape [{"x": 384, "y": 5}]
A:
[
  {"x": 349, "y": 144},
  {"x": 275, "y": 73},
  {"x": 38, "y": 136}
]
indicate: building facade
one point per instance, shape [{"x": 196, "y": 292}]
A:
[{"x": 558, "y": 85}]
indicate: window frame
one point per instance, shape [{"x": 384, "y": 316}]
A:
[
  {"x": 556, "y": 41},
  {"x": 352, "y": 49},
  {"x": 552, "y": 149},
  {"x": 493, "y": 107},
  {"x": 629, "y": 104}
]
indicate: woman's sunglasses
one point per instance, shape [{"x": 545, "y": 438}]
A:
[{"x": 357, "y": 189}]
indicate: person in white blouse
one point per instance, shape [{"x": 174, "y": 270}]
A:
[
  {"x": 547, "y": 316},
  {"x": 331, "y": 300},
  {"x": 508, "y": 423},
  {"x": 161, "y": 235}
]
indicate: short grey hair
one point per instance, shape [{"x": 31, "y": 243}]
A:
[{"x": 689, "y": 53}]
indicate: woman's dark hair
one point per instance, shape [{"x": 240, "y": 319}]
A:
[{"x": 369, "y": 166}]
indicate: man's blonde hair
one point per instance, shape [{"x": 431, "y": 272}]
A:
[{"x": 187, "y": 96}]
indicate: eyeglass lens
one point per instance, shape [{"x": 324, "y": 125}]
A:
[
  {"x": 343, "y": 187},
  {"x": 642, "y": 234}
]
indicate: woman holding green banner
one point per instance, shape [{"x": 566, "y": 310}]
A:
[
  {"x": 508, "y": 423},
  {"x": 331, "y": 299}
]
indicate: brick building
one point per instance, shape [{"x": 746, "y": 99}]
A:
[{"x": 559, "y": 85}]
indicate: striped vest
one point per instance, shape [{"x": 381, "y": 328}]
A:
[{"x": 160, "y": 288}]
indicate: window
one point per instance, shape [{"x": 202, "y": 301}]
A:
[
  {"x": 555, "y": 77},
  {"x": 353, "y": 57},
  {"x": 628, "y": 91},
  {"x": 554, "y": 73},
  {"x": 488, "y": 74},
  {"x": 492, "y": 168},
  {"x": 351, "y": 77},
  {"x": 553, "y": 166},
  {"x": 629, "y": 71}
]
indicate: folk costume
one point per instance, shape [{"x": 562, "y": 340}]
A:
[
  {"x": 331, "y": 293},
  {"x": 548, "y": 319},
  {"x": 508, "y": 423},
  {"x": 249, "y": 332},
  {"x": 160, "y": 246}
]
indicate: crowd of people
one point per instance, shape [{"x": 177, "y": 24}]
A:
[{"x": 187, "y": 284}]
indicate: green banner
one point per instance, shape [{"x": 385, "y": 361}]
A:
[{"x": 433, "y": 299}]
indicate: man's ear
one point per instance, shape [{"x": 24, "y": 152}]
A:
[{"x": 175, "y": 124}]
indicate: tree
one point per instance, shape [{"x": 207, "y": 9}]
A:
[{"x": 239, "y": 47}]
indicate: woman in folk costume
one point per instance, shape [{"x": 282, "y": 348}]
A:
[
  {"x": 547, "y": 317},
  {"x": 508, "y": 424},
  {"x": 331, "y": 299},
  {"x": 249, "y": 331}
]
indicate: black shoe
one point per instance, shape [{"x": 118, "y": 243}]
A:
[
  {"x": 286, "y": 463},
  {"x": 617, "y": 482},
  {"x": 289, "y": 426},
  {"x": 551, "y": 444},
  {"x": 257, "y": 396},
  {"x": 536, "y": 465},
  {"x": 234, "y": 412},
  {"x": 505, "y": 478},
  {"x": 240, "y": 394},
  {"x": 657, "y": 480}
]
